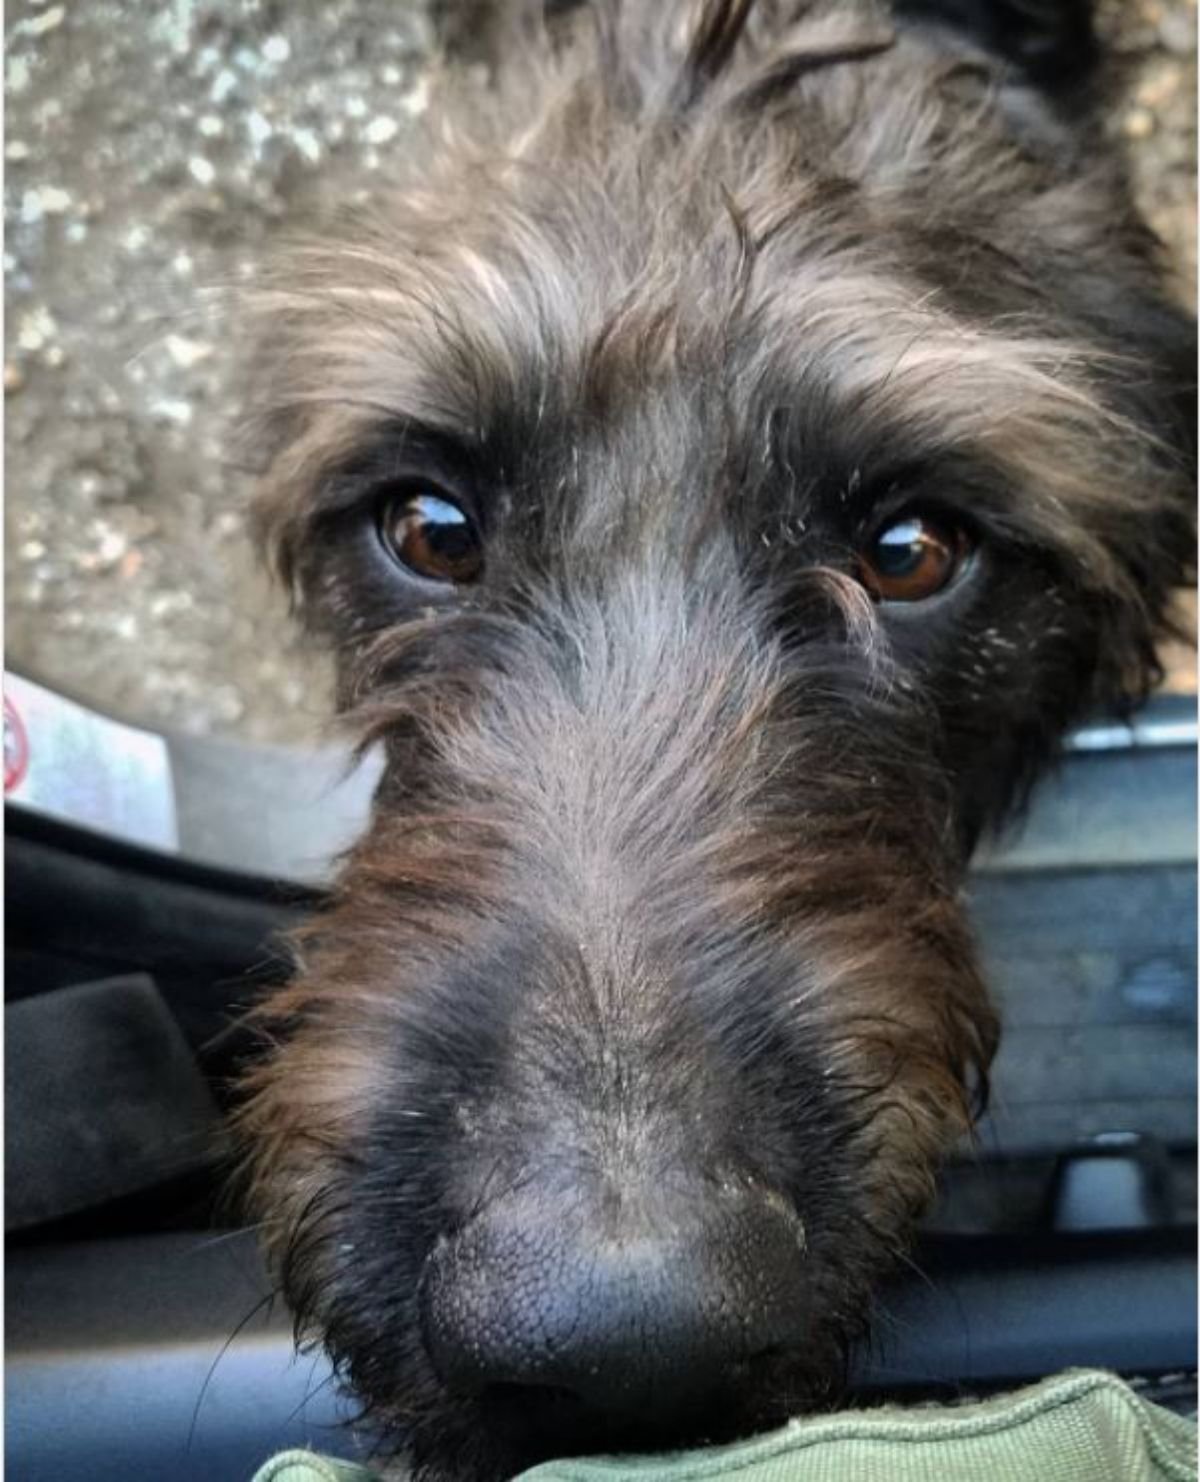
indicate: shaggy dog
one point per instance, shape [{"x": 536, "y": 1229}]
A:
[{"x": 724, "y": 466}]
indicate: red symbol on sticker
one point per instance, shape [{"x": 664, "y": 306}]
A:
[{"x": 16, "y": 748}]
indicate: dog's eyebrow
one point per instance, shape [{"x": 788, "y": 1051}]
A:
[
  {"x": 893, "y": 367},
  {"x": 396, "y": 449}
]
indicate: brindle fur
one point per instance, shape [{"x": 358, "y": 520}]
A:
[{"x": 665, "y": 867}]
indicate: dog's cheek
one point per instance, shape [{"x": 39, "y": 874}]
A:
[
  {"x": 349, "y": 1206},
  {"x": 1005, "y": 678},
  {"x": 305, "y": 1108}
]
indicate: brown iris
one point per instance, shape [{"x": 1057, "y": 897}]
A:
[
  {"x": 911, "y": 559},
  {"x": 432, "y": 536}
]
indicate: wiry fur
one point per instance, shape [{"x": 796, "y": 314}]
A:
[{"x": 666, "y": 860}]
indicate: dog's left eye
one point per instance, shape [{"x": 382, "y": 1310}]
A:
[
  {"x": 913, "y": 558},
  {"x": 431, "y": 535}
]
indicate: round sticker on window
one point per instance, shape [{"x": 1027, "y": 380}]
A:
[{"x": 16, "y": 748}]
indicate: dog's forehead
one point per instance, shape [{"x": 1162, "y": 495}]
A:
[
  {"x": 612, "y": 305},
  {"x": 531, "y": 310},
  {"x": 586, "y": 264}
]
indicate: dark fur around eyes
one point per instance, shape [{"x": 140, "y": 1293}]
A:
[{"x": 675, "y": 819}]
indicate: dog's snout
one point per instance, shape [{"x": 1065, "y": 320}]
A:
[{"x": 635, "y": 1314}]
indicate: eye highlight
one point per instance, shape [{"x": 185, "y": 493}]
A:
[
  {"x": 913, "y": 558},
  {"x": 432, "y": 536}
]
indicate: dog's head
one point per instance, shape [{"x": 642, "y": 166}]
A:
[{"x": 723, "y": 471}]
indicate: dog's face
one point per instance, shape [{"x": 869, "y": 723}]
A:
[{"x": 722, "y": 477}]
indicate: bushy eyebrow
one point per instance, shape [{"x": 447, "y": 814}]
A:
[
  {"x": 890, "y": 382},
  {"x": 394, "y": 450}
]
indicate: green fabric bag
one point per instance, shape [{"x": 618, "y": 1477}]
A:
[
  {"x": 1081, "y": 1426},
  {"x": 307, "y": 1466}
]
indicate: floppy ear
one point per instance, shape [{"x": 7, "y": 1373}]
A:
[
  {"x": 1151, "y": 535},
  {"x": 1171, "y": 333},
  {"x": 1050, "y": 43},
  {"x": 1162, "y": 552}
]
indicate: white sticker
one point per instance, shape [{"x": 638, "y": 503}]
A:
[{"x": 66, "y": 761}]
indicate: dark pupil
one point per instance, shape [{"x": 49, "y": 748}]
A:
[
  {"x": 445, "y": 529},
  {"x": 900, "y": 550}
]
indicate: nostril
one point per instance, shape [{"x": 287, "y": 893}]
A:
[
  {"x": 767, "y": 1355},
  {"x": 556, "y": 1394},
  {"x": 548, "y": 1400},
  {"x": 557, "y": 1417}
]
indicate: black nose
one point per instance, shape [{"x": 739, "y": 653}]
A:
[{"x": 633, "y": 1308}]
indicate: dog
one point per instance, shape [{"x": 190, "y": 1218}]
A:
[{"x": 727, "y": 459}]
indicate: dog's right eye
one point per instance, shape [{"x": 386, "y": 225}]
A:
[
  {"x": 912, "y": 558},
  {"x": 431, "y": 535}
]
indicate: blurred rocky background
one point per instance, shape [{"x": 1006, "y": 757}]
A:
[{"x": 151, "y": 151}]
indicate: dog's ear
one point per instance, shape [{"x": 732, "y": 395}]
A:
[
  {"x": 1050, "y": 44},
  {"x": 489, "y": 31},
  {"x": 1050, "y": 75},
  {"x": 1154, "y": 538},
  {"x": 1171, "y": 333}
]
